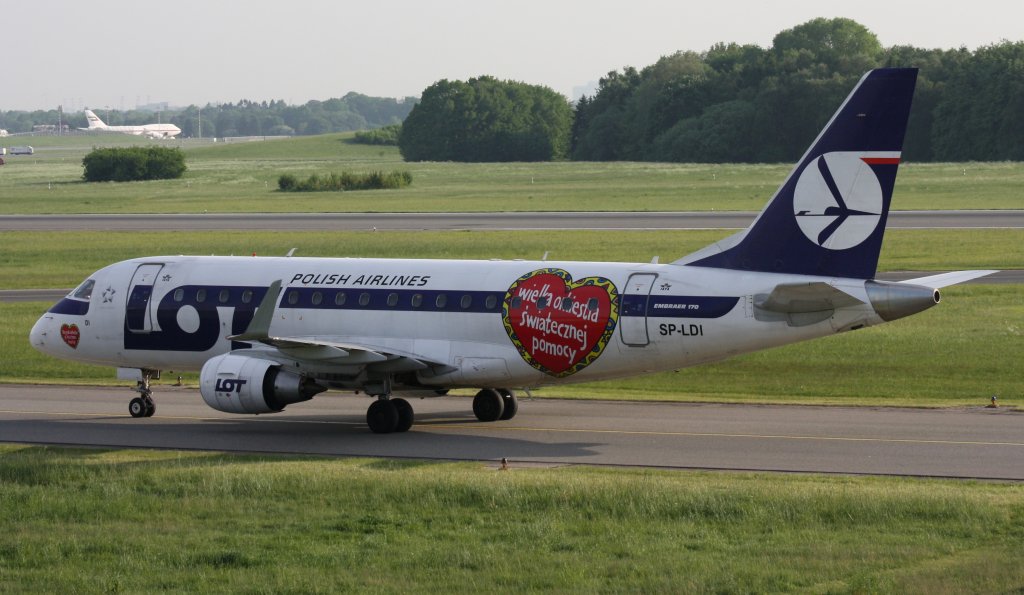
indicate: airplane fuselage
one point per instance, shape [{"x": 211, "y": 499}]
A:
[{"x": 495, "y": 323}]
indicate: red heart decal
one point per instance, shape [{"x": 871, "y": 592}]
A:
[
  {"x": 70, "y": 334},
  {"x": 560, "y": 326}
]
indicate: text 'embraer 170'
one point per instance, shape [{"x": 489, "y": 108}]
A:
[{"x": 269, "y": 332}]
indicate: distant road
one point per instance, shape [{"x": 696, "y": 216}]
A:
[
  {"x": 968, "y": 442},
  {"x": 469, "y": 221}
]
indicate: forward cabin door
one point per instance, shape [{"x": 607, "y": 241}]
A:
[
  {"x": 633, "y": 316},
  {"x": 139, "y": 310}
]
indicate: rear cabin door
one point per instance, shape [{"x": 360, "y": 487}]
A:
[
  {"x": 140, "y": 311},
  {"x": 633, "y": 317}
]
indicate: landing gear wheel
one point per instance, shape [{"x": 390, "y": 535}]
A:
[
  {"x": 137, "y": 407},
  {"x": 382, "y": 417},
  {"x": 510, "y": 402},
  {"x": 405, "y": 414},
  {"x": 150, "y": 407},
  {"x": 488, "y": 405}
]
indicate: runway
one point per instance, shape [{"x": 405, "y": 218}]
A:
[
  {"x": 507, "y": 221},
  {"x": 970, "y": 442}
]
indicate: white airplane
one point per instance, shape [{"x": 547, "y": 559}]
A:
[
  {"x": 147, "y": 130},
  {"x": 269, "y": 332}
]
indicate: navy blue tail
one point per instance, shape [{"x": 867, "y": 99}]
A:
[{"x": 829, "y": 215}]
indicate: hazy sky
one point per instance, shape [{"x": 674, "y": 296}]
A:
[{"x": 116, "y": 53}]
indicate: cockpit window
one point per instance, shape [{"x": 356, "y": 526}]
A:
[{"x": 84, "y": 291}]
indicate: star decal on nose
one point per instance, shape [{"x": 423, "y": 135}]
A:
[
  {"x": 167, "y": 278},
  {"x": 666, "y": 286},
  {"x": 108, "y": 294}
]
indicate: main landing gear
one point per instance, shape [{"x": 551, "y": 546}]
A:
[
  {"x": 143, "y": 405},
  {"x": 388, "y": 414}
]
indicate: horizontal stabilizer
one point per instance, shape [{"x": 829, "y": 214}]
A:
[
  {"x": 947, "y": 279},
  {"x": 799, "y": 298}
]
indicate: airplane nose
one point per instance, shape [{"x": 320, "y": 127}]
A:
[{"x": 40, "y": 333}]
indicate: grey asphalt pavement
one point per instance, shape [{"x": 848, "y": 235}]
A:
[{"x": 968, "y": 442}]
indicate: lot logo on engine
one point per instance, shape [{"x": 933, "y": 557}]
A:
[
  {"x": 560, "y": 326},
  {"x": 229, "y": 385}
]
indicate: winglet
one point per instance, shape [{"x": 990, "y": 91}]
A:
[{"x": 259, "y": 326}]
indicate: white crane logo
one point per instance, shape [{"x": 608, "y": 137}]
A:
[{"x": 838, "y": 201}]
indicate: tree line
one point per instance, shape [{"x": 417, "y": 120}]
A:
[
  {"x": 743, "y": 103},
  {"x": 354, "y": 111},
  {"x": 731, "y": 103}
]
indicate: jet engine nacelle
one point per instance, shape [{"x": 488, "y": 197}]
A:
[
  {"x": 892, "y": 301},
  {"x": 242, "y": 384}
]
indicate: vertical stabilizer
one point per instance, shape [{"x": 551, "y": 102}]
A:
[
  {"x": 94, "y": 120},
  {"x": 829, "y": 215}
]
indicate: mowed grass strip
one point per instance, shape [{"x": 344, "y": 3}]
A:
[
  {"x": 133, "y": 521},
  {"x": 35, "y": 260},
  {"x": 242, "y": 177}
]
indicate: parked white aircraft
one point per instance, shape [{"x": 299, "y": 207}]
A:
[
  {"x": 269, "y": 332},
  {"x": 148, "y": 130}
]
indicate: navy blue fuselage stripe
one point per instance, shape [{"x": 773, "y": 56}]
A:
[
  {"x": 69, "y": 306},
  {"x": 480, "y": 301},
  {"x": 679, "y": 306}
]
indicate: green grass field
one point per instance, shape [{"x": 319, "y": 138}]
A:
[
  {"x": 63, "y": 259},
  {"x": 131, "y": 521},
  {"x": 242, "y": 177},
  {"x": 76, "y": 520}
]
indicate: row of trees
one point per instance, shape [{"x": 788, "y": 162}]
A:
[
  {"x": 742, "y": 103},
  {"x": 485, "y": 119},
  {"x": 354, "y": 111},
  {"x": 732, "y": 103}
]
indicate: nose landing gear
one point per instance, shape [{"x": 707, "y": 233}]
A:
[{"x": 143, "y": 405}]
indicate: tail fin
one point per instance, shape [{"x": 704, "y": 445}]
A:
[
  {"x": 829, "y": 215},
  {"x": 94, "y": 120}
]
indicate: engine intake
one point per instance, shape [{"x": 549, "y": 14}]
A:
[{"x": 242, "y": 384}]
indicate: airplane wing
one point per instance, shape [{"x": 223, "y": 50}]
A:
[
  {"x": 329, "y": 350},
  {"x": 947, "y": 279}
]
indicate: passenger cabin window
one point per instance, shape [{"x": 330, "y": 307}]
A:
[
  {"x": 246, "y": 296},
  {"x": 542, "y": 303},
  {"x": 293, "y": 297},
  {"x": 200, "y": 296},
  {"x": 567, "y": 304},
  {"x": 417, "y": 300},
  {"x": 339, "y": 298},
  {"x": 317, "y": 298},
  {"x": 179, "y": 295},
  {"x": 223, "y": 296},
  {"x": 592, "y": 304},
  {"x": 516, "y": 302},
  {"x": 392, "y": 300},
  {"x": 491, "y": 302},
  {"x": 364, "y": 299},
  {"x": 84, "y": 291},
  {"x": 441, "y": 301},
  {"x": 467, "y": 301}
]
